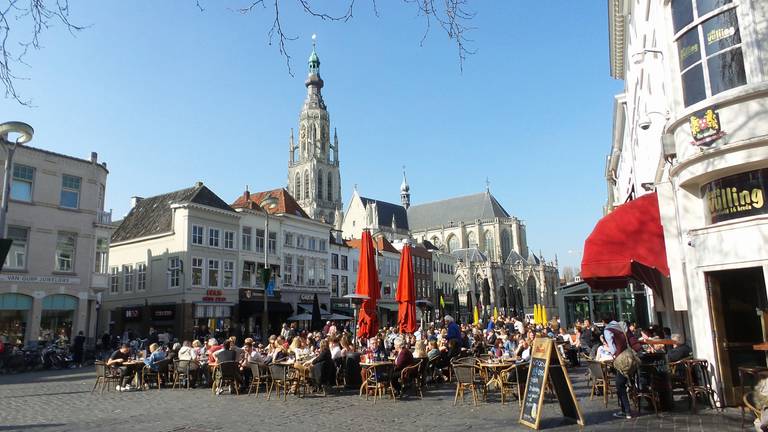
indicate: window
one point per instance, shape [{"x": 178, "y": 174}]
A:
[
  {"x": 453, "y": 243},
  {"x": 102, "y": 255},
  {"x": 141, "y": 280},
  {"x": 300, "y": 242},
  {"x": 70, "y": 191},
  {"x": 213, "y": 237},
  {"x": 288, "y": 239},
  {"x": 355, "y": 265},
  {"x": 311, "y": 271},
  {"x": 312, "y": 243},
  {"x": 344, "y": 262},
  {"x": 306, "y": 185},
  {"x": 65, "y": 252},
  {"x": 174, "y": 272},
  {"x": 319, "y": 185},
  {"x": 17, "y": 256},
  {"x": 709, "y": 52},
  {"x": 322, "y": 245},
  {"x": 197, "y": 234},
  {"x": 21, "y": 185},
  {"x": 229, "y": 240},
  {"x": 114, "y": 282},
  {"x": 297, "y": 184},
  {"x": 334, "y": 261},
  {"x": 245, "y": 240},
  {"x": 197, "y": 272},
  {"x": 128, "y": 278},
  {"x": 300, "y": 270},
  {"x": 287, "y": 268},
  {"x": 259, "y": 240},
  {"x": 471, "y": 240},
  {"x": 249, "y": 269},
  {"x": 322, "y": 266},
  {"x": 490, "y": 248},
  {"x": 229, "y": 274},
  {"x": 335, "y": 285},
  {"x": 330, "y": 188},
  {"x": 272, "y": 242},
  {"x": 344, "y": 285},
  {"x": 213, "y": 273}
]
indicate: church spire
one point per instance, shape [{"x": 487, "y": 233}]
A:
[
  {"x": 314, "y": 83},
  {"x": 405, "y": 192}
]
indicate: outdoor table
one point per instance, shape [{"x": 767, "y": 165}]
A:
[
  {"x": 493, "y": 373},
  {"x": 134, "y": 368},
  {"x": 658, "y": 341},
  {"x": 760, "y": 347}
]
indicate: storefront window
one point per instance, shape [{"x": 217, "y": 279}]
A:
[
  {"x": 710, "y": 53},
  {"x": 57, "y": 316},
  {"x": 14, "y": 313}
]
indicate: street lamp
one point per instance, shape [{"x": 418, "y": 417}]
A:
[
  {"x": 358, "y": 300},
  {"x": 24, "y": 134},
  {"x": 267, "y": 204}
]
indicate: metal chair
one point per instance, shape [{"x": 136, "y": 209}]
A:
[
  {"x": 699, "y": 382},
  {"x": 641, "y": 387},
  {"x": 106, "y": 376}
]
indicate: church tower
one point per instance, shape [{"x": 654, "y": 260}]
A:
[
  {"x": 313, "y": 161},
  {"x": 405, "y": 192}
]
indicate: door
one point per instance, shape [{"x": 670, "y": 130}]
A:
[{"x": 737, "y": 303}]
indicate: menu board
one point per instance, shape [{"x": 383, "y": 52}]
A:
[{"x": 547, "y": 368}]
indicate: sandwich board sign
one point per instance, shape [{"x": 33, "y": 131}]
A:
[{"x": 547, "y": 367}]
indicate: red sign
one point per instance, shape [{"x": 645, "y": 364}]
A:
[{"x": 214, "y": 295}]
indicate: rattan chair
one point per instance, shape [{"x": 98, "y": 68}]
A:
[
  {"x": 106, "y": 376},
  {"x": 181, "y": 373},
  {"x": 376, "y": 384},
  {"x": 641, "y": 387},
  {"x": 411, "y": 376},
  {"x": 466, "y": 378},
  {"x": 151, "y": 376},
  {"x": 227, "y": 374},
  {"x": 259, "y": 377},
  {"x": 601, "y": 380},
  {"x": 279, "y": 379}
]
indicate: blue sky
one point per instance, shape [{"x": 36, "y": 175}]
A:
[{"x": 168, "y": 95}]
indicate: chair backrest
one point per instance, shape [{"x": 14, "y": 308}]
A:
[
  {"x": 596, "y": 370},
  {"x": 101, "y": 368},
  {"x": 163, "y": 365},
  {"x": 465, "y": 374},
  {"x": 278, "y": 373},
  {"x": 410, "y": 371},
  {"x": 228, "y": 369},
  {"x": 181, "y": 366},
  {"x": 465, "y": 361}
]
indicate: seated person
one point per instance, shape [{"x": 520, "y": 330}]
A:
[
  {"x": 403, "y": 360},
  {"x": 680, "y": 349},
  {"x": 117, "y": 360},
  {"x": 156, "y": 354},
  {"x": 323, "y": 369},
  {"x": 603, "y": 351},
  {"x": 226, "y": 355}
]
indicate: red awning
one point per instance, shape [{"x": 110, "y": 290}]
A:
[{"x": 627, "y": 244}]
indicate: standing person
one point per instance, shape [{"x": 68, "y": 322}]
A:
[
  {"x": 454, "y": 332},
  {"x": 77, "y": 348},
  {"x": 616, "y": 339}
]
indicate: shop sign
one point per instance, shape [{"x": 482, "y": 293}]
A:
[
  {"x": 22, "y": 278},
  {"x": 163, "y": 313},
  {"x": 247, "y": 294},
  {"x": 132, "y": 314},
  {"x": 705, "y": 126},
  {"x": 214, "y": 295},
  {"x": 306, "y": 297},
  {"x": 736, "y": 196}
]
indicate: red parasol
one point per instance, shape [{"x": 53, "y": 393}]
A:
[
  {"x": 368, "y": 284},
  {"x": 406, "y": 293}
]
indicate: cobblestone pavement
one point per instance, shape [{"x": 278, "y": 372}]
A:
[{"x": 62, "y": 401}]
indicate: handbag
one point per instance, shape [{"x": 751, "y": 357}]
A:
[{"x": 628, "y": 361}]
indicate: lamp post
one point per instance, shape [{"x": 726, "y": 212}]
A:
[
  {"x": 357, "y": 300},
  {"x": 25, "y": 133},
  {"x": 266, "y": 204}
]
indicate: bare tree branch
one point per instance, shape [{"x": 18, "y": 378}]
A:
[{"x": 42, "y": 15}]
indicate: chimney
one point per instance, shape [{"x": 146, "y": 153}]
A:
[
  {"x": 94, "y": 157},
  {"x": 247, "y": 194},
  {"x": 199, "y": 184},
  {"x": 135, "y": 200}
]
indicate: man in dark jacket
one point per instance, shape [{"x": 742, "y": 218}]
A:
[
  {"x": 680, "y": 349},
  {"x": 78, "y": 344}
]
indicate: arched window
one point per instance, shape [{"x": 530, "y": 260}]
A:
[
  {"x": 331, "y": 218},
  {"x": 490, "y": 249},
  {"x": 453, "y": 243},
  {"x": 319, "y": 184},
  {"x": 329, "y": 192},
  {"x": 533, "y": 294},
  {"x": 506, "y": 244},
  {"x": 322, "y": 140},
  {"x": 306, "y": 184},
  {"x": 297, "y": 186},
  {"x": 471, "y": 240}
]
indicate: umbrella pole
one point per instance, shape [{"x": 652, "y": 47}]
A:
[{"x": 354, "y": 331}]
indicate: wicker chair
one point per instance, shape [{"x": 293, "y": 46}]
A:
[
  {"x": 227, "y": 374},
  {"x": 149, "y": 376},
  {"x": 411, "y": 376},
  {"x": 600, "y": 380},
  {"x": 181, "y": 373},
  {"x": 106, "y": 376},
  {"x": 279, "y": 379},
  {"x": 260, "y": 376},
  {"x": 699, "y": 382},
  {"x": 513, "y": 381},
  {"x": 466, "y": 378},
  {"x": 641, "y": 387},
  {"x": 376, "y": 385}
]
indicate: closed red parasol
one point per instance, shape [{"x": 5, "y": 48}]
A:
[
  {"x": 367, "y": 284},
  {"x": 406, "y": 293}
]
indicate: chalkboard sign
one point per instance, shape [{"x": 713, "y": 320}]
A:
[{"x": 547, "y": 367}]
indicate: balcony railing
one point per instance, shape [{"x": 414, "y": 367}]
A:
[{"x": 104, "y": 217}]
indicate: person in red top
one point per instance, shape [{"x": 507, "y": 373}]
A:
[
  {"x": 403, "y": 360},
  {"x": 213, "y": 346}
]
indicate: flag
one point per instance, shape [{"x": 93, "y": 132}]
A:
[
  {"x": 535, "y": 314},
  {"x": 495, "y": 314},
  {"x": 477, "y": 317},
  {"x": 442, "y": 302},
  {"x": 271, "y": 288},
  {"x": 544, "y": 320}
]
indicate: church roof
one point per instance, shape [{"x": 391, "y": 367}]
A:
[
  {"x": 514, "y": 258},
  {"x": 466, "y": 208},
  {"x": 472, "y": 254},
  {"x": 386, "y": 211},
  {"x": 153, "y": 215}
]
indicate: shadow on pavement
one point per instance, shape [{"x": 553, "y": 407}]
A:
[{"x": 29, "y": 426}]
